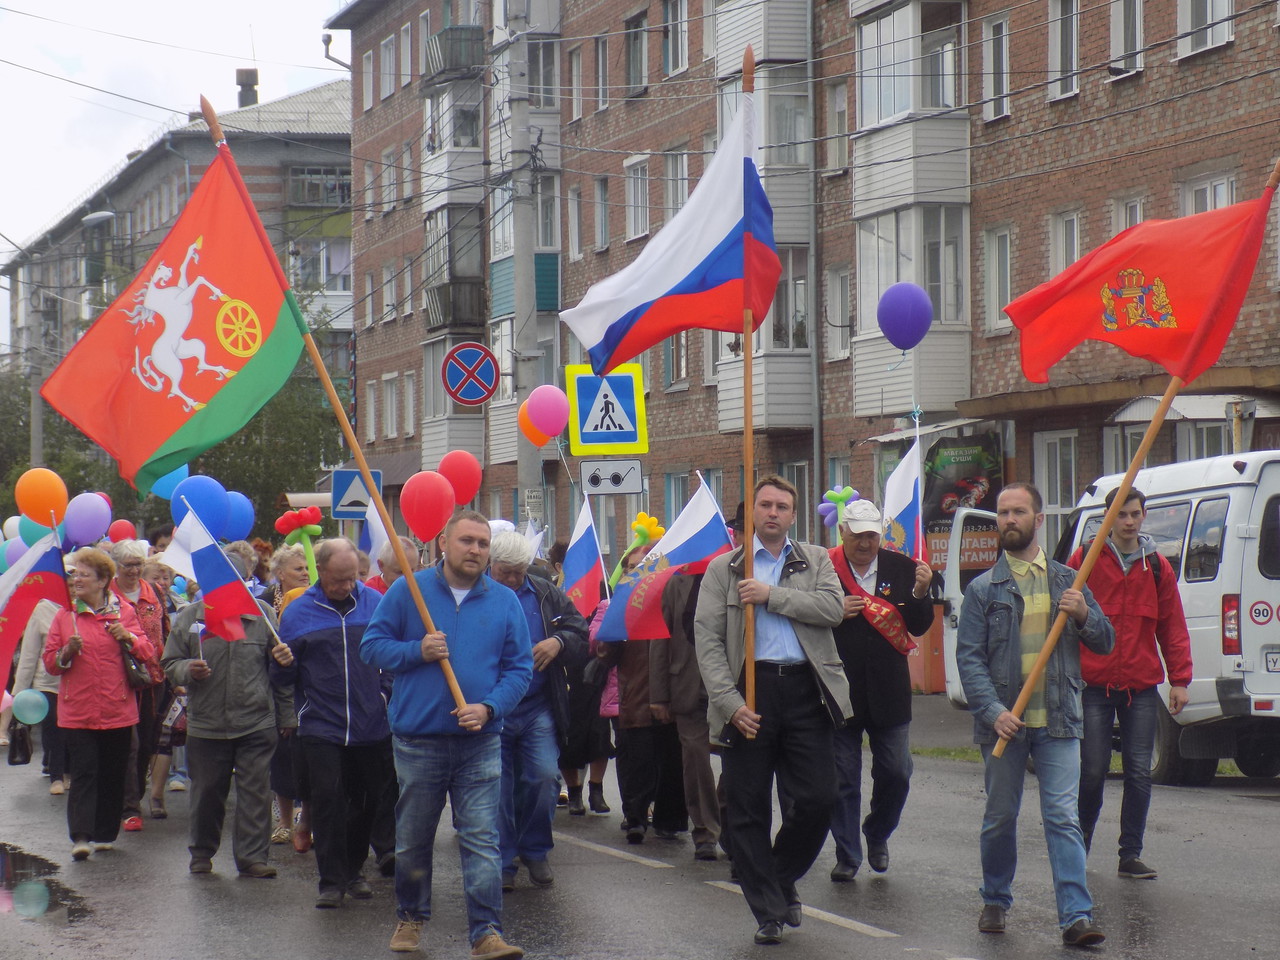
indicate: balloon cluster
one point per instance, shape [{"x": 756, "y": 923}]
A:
[
  {"x": 45, "y": 508},
  {"x": 904, "y": 313},
  {"x": 544, "y": 414},
  {"x": 428, "y": 498},
  {"x": 833, "y": 504}
]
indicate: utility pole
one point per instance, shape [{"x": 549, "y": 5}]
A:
[{"x": 524, "y": 224}]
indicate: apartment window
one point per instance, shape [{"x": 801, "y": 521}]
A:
[
  {"x": 1063, "y": 48},
  {"x": 1126, "y": 37},
  {"x": 465, "y": 117},
  {"x": 370, "y": 189},
  {"x": 1056, "y": 456},
  {"x": 798, "y": 473},
  {"x": 1064, "y": 241},
  {"x": 575, "y": 84},
  {"x": 999, "y": 278},
  {"x": 838, "y": 126},
  {"x": 406, "y": 55},
  {"x": 543, "y": 79},
  {"x": 636, "y": 43},
  {"x": 323, "y": 264},
  {"x": 675, "y": 493},
  {"x": 939, "y": 53},
  {"x": 389, "y": 292},
  {"x": 500, "y": 343},
  {"x": 675, "y": 357},
  {"x": 885, "y": 68},
  {"x": 675, "y": 36},
  {"x": 1202, "y": 438},
  {"x": 839, "y": 473},
  {"x": 575, "y": 223},
  {"x": 366, "y": 80},
  {"x": 387, "y": 66},
  {"x": 406, "y": 172},
  {"x": 410, "y": 408},
  {"x": 1209, "y": 193},
  {"x": 319, "y": 186},
  {"x": 435, "y": 254},
  {"x": 431, "y": 107},
  {"x": 788, "y": 100},
  {"x": 790, "y": 311},
  {"x": 602, "y": 213},
  {"x": 884, "y": 257},
  {"x": 370, "y": 313},
  {"x": 424, "y": 39},
  {"x": 943, "y": 261},
  {"x": 675, "y": 181},
  {"x": 406, "y": 284},
  {"x": 995, "y": 79},
  {"x": 839, "y": 312},
  {"x": 1128, "y": 213},
  {"x": 390, "y": 405},
  {"x": 547, "y": 212},
  {"x": 636, "y": 173},
  {"x": 602, "y": 73},
  {"x": 1203, "y": 24},
  {"x": 389, "y": 185},
  {"x": 1119, "y": 445},
  {"x": 502, "y": 237},
  {"x": 435, "y": 402},
  {"x": 370, "y": 414},
  {"x": 708, "y": 29}
]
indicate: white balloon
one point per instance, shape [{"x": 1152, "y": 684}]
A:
[{"x": 10, "y": 528}]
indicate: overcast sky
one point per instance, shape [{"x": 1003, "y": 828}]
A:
[{"x": 62, "y": 136}]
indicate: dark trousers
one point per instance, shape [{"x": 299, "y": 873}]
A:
[
  {"x": 348, "y": 791},
  {"x": 212, "y": 763},
  {"x": 141, "y": 749},
  {"x": 98, "y": 761},
  {"x": 1138, "y": 714},
  {"x": 890, "y": 783},
  {"x": 795, "y": 745},
  {"x": 651, "y": 771},
  {"x": 53, "y": 740}
]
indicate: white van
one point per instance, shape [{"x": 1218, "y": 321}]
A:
[{"x": 1218, "y": 522}]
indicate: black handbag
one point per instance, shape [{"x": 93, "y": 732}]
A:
[
  {"x": 135, "y": 670},
  {"x": 19, "y": 743}
]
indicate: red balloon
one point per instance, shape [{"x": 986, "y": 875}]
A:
[
  {"x": 462, "y": 470},
  {"x": 427, "y": 501},
  {"x": 311, "y": 514},
  {"x": 121, "y": 530},
  {"x": 104, "y": 497}
]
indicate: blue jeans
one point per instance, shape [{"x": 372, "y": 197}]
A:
[
  {"x": 890, "y": 782},
  {"x": 1138, "y": 713},
  {"x": 1058, "y": 770},
  {"x": 530, "y": 767},
  {"x": 467, "y": 768}
]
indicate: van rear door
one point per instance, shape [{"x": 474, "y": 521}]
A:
[
  {"x": 973, "y": 549},
  {"x": 1259, "y": 605}
]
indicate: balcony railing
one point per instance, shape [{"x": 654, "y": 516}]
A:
[{"x": 454, "y": 53}]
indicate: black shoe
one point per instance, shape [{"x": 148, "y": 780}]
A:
[
  {"x": 576, "y": 809},
  {"x": 843, "y": 872},
  {"x": 329, "y": 899},
  {"x": 1082, "y": 933},
  {"x": 635, "y": 833},
  {"x": 992, "y": 919},
  {"x": 795, "y": 909},
  {"x": 595, "y": 798},
  {"x": 770, "y": 932},
  {"x": 705, "y": 850},
  {"x": 508, "y": 881},
  {"x": 539, "y": 872},
  {"x": 359, "y": 889},
  {"x": 665, "y": 834},
  {"x": 1135, "y": 869},
  {"x": 878, "y": 856}
]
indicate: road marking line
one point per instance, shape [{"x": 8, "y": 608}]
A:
[
  {"x": 832, "y": 918},
  {"x": 610, "y": 851}
]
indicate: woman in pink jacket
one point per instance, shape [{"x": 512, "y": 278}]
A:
[{"x": 96, "y": 705}]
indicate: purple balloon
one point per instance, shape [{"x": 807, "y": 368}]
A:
[
  {"x": 905, "y": 313},
  {"x": 87, "y": 519},
  {"x": 14, "y": 549}
]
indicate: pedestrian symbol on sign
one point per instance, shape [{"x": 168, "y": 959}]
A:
[{"x": 606, "y": 416}]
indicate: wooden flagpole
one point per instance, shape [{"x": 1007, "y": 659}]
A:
[
  {"x": 748, "y": 448},
  {"x": 1176, "y": 383},
  {"x": 215, "y": 130}
]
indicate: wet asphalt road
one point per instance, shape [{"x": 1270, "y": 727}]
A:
[{"x": 1216, "y": 897}]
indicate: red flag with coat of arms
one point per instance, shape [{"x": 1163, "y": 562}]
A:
[{"x": 194, "y": 346}]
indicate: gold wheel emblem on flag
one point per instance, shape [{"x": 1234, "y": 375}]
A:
[{"x": 238, "y": 328}]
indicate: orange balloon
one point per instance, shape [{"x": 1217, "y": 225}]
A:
[
  {"x": 39, "y": 493},
  {"x": 532, "y": 433}
]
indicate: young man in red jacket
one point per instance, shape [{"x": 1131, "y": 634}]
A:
[{"x": 1138, "y": 590}]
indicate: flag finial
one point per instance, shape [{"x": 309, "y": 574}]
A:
[
  {"x": 211, "y": 118},
  {"x": 748, "y": 70}
]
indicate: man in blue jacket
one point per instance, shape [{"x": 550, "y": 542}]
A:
[
  {"x": 342, "y": 717},
  {"x": 442, "y": 749}
]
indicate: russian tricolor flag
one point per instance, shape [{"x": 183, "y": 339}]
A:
[
  {"x": 583, "y": 566},
  {"x": 698, "y": 535},
  {"x": 37, "y": 575},
  {"x": 197, "y": 556},
  {"x": 713, "y": 259},
  {"x": 903, "y": 513}
]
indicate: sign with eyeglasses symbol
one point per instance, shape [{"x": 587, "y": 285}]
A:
[{"x": 612, "y": 476}]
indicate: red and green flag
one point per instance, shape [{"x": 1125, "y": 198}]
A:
[
  {"x": 204, "y": 336},
  {"x": 1168, "y": 291}
]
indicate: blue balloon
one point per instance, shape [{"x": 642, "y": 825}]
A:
[
  {"x": 905, "y": 313},
  {"x": 240, "y": 522},
  {"x": 164, "y": 487},
  {"x": 208, "y": 498},
  {"x": 29, "y": 531},
  {"x": 30, "y": 706}
]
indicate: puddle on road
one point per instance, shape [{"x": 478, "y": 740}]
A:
[{"x": 28, "y": 888}]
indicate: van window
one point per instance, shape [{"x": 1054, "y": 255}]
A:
[
  {"x": 1204, "y": 555},
  {"x": 1166, "y": 524},
  {"x": 1269, "y": 544}
]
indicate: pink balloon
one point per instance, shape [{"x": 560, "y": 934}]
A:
[{"x": 548, "y": 409}]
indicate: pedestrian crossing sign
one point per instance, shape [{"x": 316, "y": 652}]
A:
[{"x": 606, "y": 414}]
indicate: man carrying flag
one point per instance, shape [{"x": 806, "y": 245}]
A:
[{"x": 886, "y": 602}]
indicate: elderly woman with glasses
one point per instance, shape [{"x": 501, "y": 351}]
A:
[{"x": 97, "y": 707}]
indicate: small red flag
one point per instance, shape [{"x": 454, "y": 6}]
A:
[{"x": 1168, "y": 291}]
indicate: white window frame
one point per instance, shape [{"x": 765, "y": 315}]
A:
[
  {"x": 1064, "y": 240},
  {"x": 575, "y": 84},
  {"x": 387, "y": 67},
  {"x": 635, "y": 170},
  {"x": 789, "y": 123},
  {"x": 389, "y": 302},
  {"x": 544, "y": 79},
  {"x": 837, "y": 126},
  {"x": 1057, "y": 454},
  {"x": 573, "y": 215},
  {"x": 675, "y": 359},
  {"x": 885, "y": 66},
  {"x": 406, "y": 288},
  {"x": 709, "y": 29},
  {"x": 839, "y": 320},
  {"x": 897, "y": 245},
  {"x": 675, "y": 36},
  {"x": 330, "y": 256},
  {"x": 406, "y": 54},
  {"x": 675, "y": 493},
  {"x": 1119, "y": 444},
  {"x": 1197, "y": 439},
  {"x": 999, "y": 277},
  {"x": 502, "y": 345},
  {"x": 602, "y": 73},
  {"x": 410, "y": 403},
  {"x": 675, "y": 181},
  {"x": 1126, "y": 38},
  {"x": 601, "y": 203},
  {"x": 390, "y": 406},
  {"x": 1064, "y": 49},
  {"x": 502, "y": 239},
  {"x": 791, "y": 334},
  {"x": 546, "y": 205},
  {"x": 1126, "y": 212},
  {"x": 370, "y": 412},
  {"x": 406, "y": 172},
  {"x": 370, "y": 287},
  {"x": 797, "y": 471},
  {"x": 366, "y": 80},
  {"x": 1208, "y": 193},
  {"x": 996, "y": 99},
  {"x": 390, "y": 187},
  {"x": 435, "y": 401},
  {"x": 1193, "y": 34},
  {"x": 635, "y": 39},
  {"x": 424, "y": 39}
]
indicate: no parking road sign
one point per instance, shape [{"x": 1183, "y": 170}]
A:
[
  {"x": 470, "y": 373},
  {"x": 606, "y": 414}
]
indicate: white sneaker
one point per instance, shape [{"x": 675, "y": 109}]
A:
[{"x": 80, "y": 850}]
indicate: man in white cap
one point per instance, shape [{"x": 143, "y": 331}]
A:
[{"x": 886, "y": 602}]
